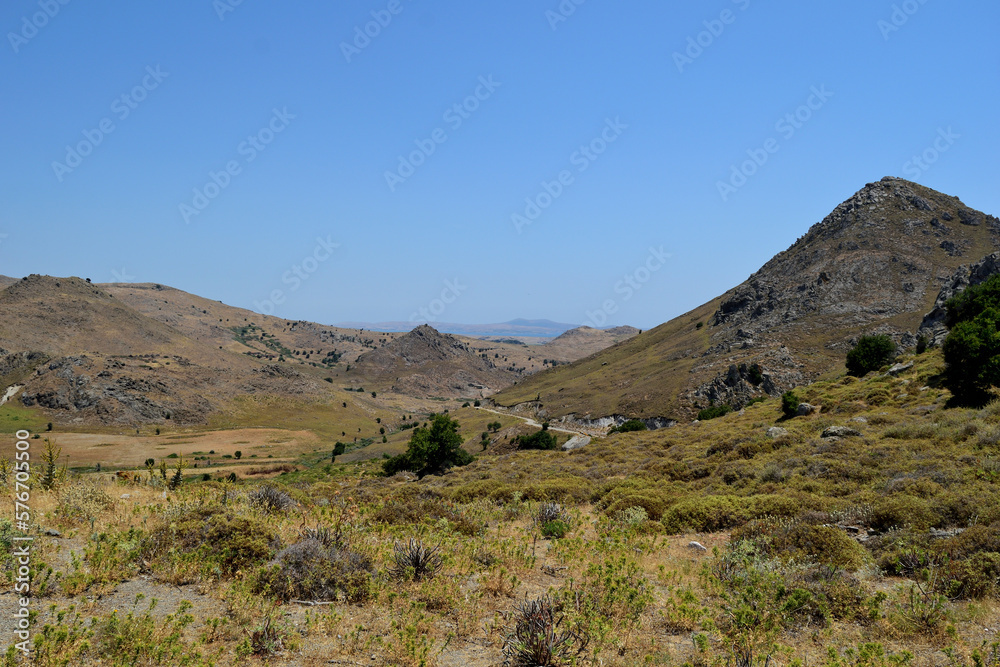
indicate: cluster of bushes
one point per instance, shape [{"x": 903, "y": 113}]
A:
[{"x": 542, "y": 439}]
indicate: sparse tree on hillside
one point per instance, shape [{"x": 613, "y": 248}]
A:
[
  {"x": 431, "y": 450},
  {"x": 870, "y": 354},
  {"x": 972, "y": 348}
]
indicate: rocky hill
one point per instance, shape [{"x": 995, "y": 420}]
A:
[
  {"x": 427, "y": 363},
  {"x": 77, "y": 351},
  {"x": 875, "y": 264}
]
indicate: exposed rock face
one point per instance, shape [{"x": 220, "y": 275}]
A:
[
  {"x": 933, "y": 326},
  {"x": 77, "y": 385}
]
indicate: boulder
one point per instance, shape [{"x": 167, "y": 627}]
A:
[
  {"x": 777, "y": 432},
  {"x": 899, "y": 368},
  {"x": 576, "y": 442},
  {"x": 839, "y": 432},
  {"x": 697, "y": 546},
  {"x": 805, "y": 410}
]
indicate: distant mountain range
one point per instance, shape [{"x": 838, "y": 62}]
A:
[{"x": 518, "y": 327}]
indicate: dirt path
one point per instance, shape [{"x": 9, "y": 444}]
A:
[{"x": 532, "y": 422}]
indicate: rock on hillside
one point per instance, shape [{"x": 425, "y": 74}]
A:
[
  {"x": 875, "y": 264},
  {"x": 425, "y": 363}
]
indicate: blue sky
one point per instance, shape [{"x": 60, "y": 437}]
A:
[{"x": 250, "y": 143}]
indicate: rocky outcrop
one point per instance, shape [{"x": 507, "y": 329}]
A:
[{"x": 933, "y": 325}]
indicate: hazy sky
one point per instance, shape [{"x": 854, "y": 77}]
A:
[{"x": 244, "y": 150}]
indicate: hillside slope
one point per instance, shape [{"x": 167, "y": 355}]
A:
[{"x": 876, "y": 263}]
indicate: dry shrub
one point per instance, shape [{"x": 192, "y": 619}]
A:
[
  {"x": 81, "y": 502},
  {"x": 269, "y": 470},
  {"x": 411, "y": 510},
  {"x": 269, "y": 500},
  {"x": 312, "y": 570},
  {"x": 214, "y": 539}
]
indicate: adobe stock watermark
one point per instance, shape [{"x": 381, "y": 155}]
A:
[
  {"x": 915, "y": 167},
  {"x": 223, "y": 7},
  {"x": 433, "y": 310},
  {"x": 630, "y": 285},
  {"x": 787, "y": 126},
  {"x": 249, "y": 150},
  {"x": 454, "y": 116},
  {"x": 30, "y": 25},
  {"x": 298, "y": 274},
  {"x": 901, "y": 14},
  {"x": 581, "y": 159},
  {"x": 562, "y": 13},
  {"x": 21, "y": 545},
  {"x": 363, "y": 35},
  {"x": 121, "y": 107},
  {"x": 122, "y": 276},
  {"x": 714, "y": 28}
]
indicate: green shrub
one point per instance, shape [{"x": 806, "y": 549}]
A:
[
  {"x": 214, "y": 539},
  {"x": 972, "y": 354},
  {"x": 416, "y": 511},
  {"x": 629, "y": 426},
  {"x": 555, "y": 529},
  {"x": 902, "y": 511},
  {"x": 537, "y": 440},
  {"x": 713, "y": 412},
  {"x": 712, "y": 513},
  {"x": 822, "y": 544},
  {"x": 790, "y": 404},
  {"x": 870, "y": 354}
]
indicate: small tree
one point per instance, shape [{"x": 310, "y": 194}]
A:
[
  {"x": 50, "y": 469},
  {"x": 238, "y": 454},
  {"x": 431, "y": 450},
  {"x": 178, "y": 476},
  {"x": 790, "y": 404},
  {"x": 870, "y": 354}
]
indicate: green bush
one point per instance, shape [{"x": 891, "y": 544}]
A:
[
  {"x": 972, "y": 355},
  {"x": 789, "y": 404},
  {"x": 713, "y": 412},
  {"x": 555, "y": 529},
  {"x": 214, "y": 538},
  {"x": 870, "y": 354},
  {"x": 628, "y": 426},
  {"x": 822, "y": 544},
  {"x": 537, "y": 440}
]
